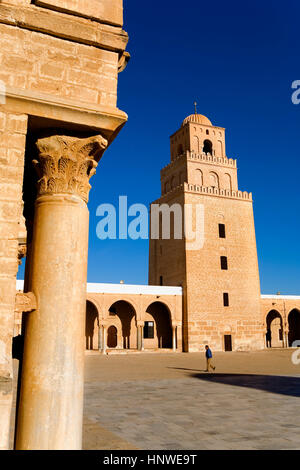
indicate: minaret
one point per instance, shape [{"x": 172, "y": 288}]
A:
[{"x": 220, "y": 275}]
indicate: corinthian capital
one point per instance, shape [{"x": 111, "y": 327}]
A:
[{"x": 65, "y": 164}]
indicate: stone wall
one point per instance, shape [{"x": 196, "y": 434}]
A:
[
  {"x": 208, "y": 319},
  {"x": 45, "y": 64},
  {"x": 13, "y": 130},
  {"x": 105, "y": 10}
]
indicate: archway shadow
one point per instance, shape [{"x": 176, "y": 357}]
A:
[{"x": 282, "y": 385}]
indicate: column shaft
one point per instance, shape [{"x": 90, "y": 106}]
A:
[
  {"x": 174, "y": 338},
  {"x": 104, "y": 339},
  {"x": 100, "y": 338},
  {"x": 51, "y": 400},
  {"x": 139, "y": 338}
]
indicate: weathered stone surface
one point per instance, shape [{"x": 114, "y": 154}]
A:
[
  {"x": 64, "y": 26},
  {"x": 25, "y": 302},
  {"x": 43, "y": 65},
  {"x": 104, "y": 10},
  {"x": 12, "y": 147}
]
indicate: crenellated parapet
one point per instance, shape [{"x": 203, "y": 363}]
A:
[
  {"x": 202, "y": 157},
  {"x": 208, "y": 158},
  {"x": 205, "y": 190},
  {"x": 210, "y": 190}
]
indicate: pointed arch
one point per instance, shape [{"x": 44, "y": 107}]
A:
[
  {"x": 227, "y": 181},
  {"x": 214, "y": 179},
  {"x": 208, "y": 147}
]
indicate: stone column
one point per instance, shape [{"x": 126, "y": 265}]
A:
[
  {"x": 140, "y": 335},
  {"x": 174, "y": 328},
  {"x": 104, "y": 339},
  {"x": 139, "y": 338},
  {"x": 100, "y": 338},
  {"x": 143, "y": 342},
  {"x": 51, "y": 399}
]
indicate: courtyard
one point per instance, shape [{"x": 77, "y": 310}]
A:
[{"x": 166, "y": 401}]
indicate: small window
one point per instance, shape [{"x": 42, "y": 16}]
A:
[
  {"x": 222, "y": 233},
  {"x": 207, "y": 147},
  {"x": 160, "y": 280},
  {"x": 149, "y": 330},
  {"x": 224, "y": 264},
  {"x": 207, "y": 132},
  {"x": 226, "y": 299}
]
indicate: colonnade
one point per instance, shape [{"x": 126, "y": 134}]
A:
[{"x": 140, "y": 344}]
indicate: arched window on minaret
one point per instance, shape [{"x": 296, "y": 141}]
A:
[
  {"x": 199, "y": 177},
  {"x": 220, "y": 148},
  {"x": 227, "y": 181},
  {"x": 207, "y": 147},
  {"x": 196, "y": 144},
  {"x": 213, "y": 179}
]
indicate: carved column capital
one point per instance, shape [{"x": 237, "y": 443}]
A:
[{"x": 65, "y": 164}]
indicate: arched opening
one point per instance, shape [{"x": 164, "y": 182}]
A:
[
  {"x": 199, "y": 177},
  {"x": 126, "y": 315},
  {"x": 213, "y": 179},
  {"x": 227, "y": 182},
  {"x": 196, "y": 146},
  {"x": 207, "y": 147},
  {"x": 112, "y": 337},
  {"x": 157, "y": 329},
  {"x": 91, "y": 333},
  {"x": 274, "y": 333},
  {"x": 294, "y": 326},
  {"x": 220, "y": 148}
]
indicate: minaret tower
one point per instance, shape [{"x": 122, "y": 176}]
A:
[{"x": 220, "y": 276}]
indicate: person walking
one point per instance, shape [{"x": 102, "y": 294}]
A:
[{"x": 208, "y": 355}]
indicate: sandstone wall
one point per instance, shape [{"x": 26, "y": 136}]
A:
[
  {"x": 41, "y": 63},
  {"x": 208, "y": 319},
  {"x": 13, "y": 130}
]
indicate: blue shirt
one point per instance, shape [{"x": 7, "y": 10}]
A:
[{"x": 208, "y": 353}]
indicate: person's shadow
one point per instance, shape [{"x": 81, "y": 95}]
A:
[
  {"x": 184, "y": 368},
  {"x": 283, "y": 385}
]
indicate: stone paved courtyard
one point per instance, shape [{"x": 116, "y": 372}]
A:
[{"x": 166, "y": 401}]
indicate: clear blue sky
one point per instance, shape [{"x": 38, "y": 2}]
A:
[{"x": 238, "y": 62}]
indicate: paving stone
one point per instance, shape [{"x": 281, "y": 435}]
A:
[{"x": 178, "y": 411}]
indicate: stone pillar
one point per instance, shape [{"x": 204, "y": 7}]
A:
[
  {"x": 51, "y": 399},
  {"x": 140, "y": 335},
  {"x": 104, "y": 339},
  {"x": 174, "y": 343},
  {"x": 143, "y": 343},
  {"x": 100, "y": 338},
  {"x": 139, "y": 338}
]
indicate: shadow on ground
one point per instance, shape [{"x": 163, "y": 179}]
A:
[
  {"x": 283, "y": 385},
  {"x": 269, "y": 383}
]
